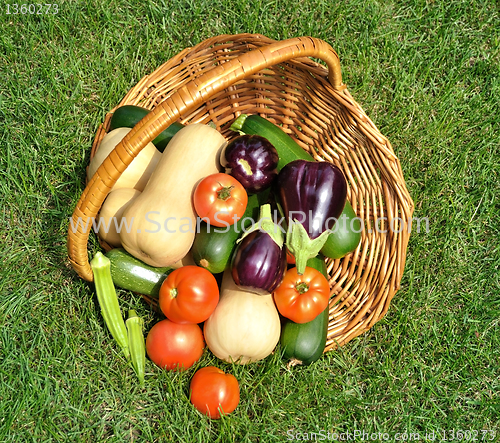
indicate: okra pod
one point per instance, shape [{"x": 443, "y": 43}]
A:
[
  {"x": 136, "y": 344},
  {"x": 108, "y": 301}
]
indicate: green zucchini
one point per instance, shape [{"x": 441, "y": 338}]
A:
[
  {"x": 305, "y": 343},
  {"x": 128, "y": 272},
  {"x": 212, "y": 248},
  {"x": 347, "y": 237},
  {"x": 346, "y": 234},
  {"x": 128, "y": 116}
]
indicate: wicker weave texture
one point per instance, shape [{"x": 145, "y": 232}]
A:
[{"x": 225, "y": 76}]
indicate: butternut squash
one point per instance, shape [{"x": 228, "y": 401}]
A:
[
  {"x": 163, "y": 216},
  {"x": 245, "y": 327},
  {"x": 187, "y": 260},
  {"x": 138, "y": 172},
  {"x": 110, "y": 216}
]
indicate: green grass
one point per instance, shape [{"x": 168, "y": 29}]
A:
[{"x": 426, "y": 72}]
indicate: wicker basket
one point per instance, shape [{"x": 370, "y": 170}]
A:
[{"x": 222, "y": 77}]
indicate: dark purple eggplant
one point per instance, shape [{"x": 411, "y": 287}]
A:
[
  {"x": 259, "y": 260},
  {"x": 312, "y": 196},
  {"x": 252, "y": 160}
]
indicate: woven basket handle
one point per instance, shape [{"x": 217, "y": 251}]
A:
[{"x": 188, "y": 97}]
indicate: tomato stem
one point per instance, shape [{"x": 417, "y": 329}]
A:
[
  {"x": 301, "y": 287},
  {"x": 173, "y": 292},
  {"x": 225, "y": 192}
]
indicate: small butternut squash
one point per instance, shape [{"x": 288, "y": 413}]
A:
[
  {"x": 110, "y": 221},
  {"x": 138, "y": 172},
  {"x": 163, "y": 215},
  {"x": 245, "y": 327}
]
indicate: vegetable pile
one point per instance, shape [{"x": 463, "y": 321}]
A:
[{"x": 230, "y": 237}]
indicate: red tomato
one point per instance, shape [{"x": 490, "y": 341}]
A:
[
  {"x": 221, "y": 199},
  {"x": 189, "y": 295},
  {"x": 173, "y": 346},
  {"x": 213, "y": 392},
  {"x": 301, "y": 298}
]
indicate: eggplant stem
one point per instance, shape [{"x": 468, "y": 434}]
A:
[
  {"x": 301, "y": 246},
  {"x": 246, "y": 166},
  {"x": 266, "y": 224}
]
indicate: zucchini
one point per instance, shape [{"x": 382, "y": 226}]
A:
[
  {"x": 212, "y": 249},
  {"x": 128, "y": 116},
  {"x": 305, "y": 343},
  {"x": 128, "y": 272},
  {"x": 339, "y": 243},
  {"x": 346, "y": 234}
]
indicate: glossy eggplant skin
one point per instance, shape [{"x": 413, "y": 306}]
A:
[
  {"x": 258, "y": 263},
  {"x": 252, "y": 160},
  {"x": 313, "y": 193}
]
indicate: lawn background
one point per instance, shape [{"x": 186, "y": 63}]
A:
[{"x": 426, "y": 72}]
